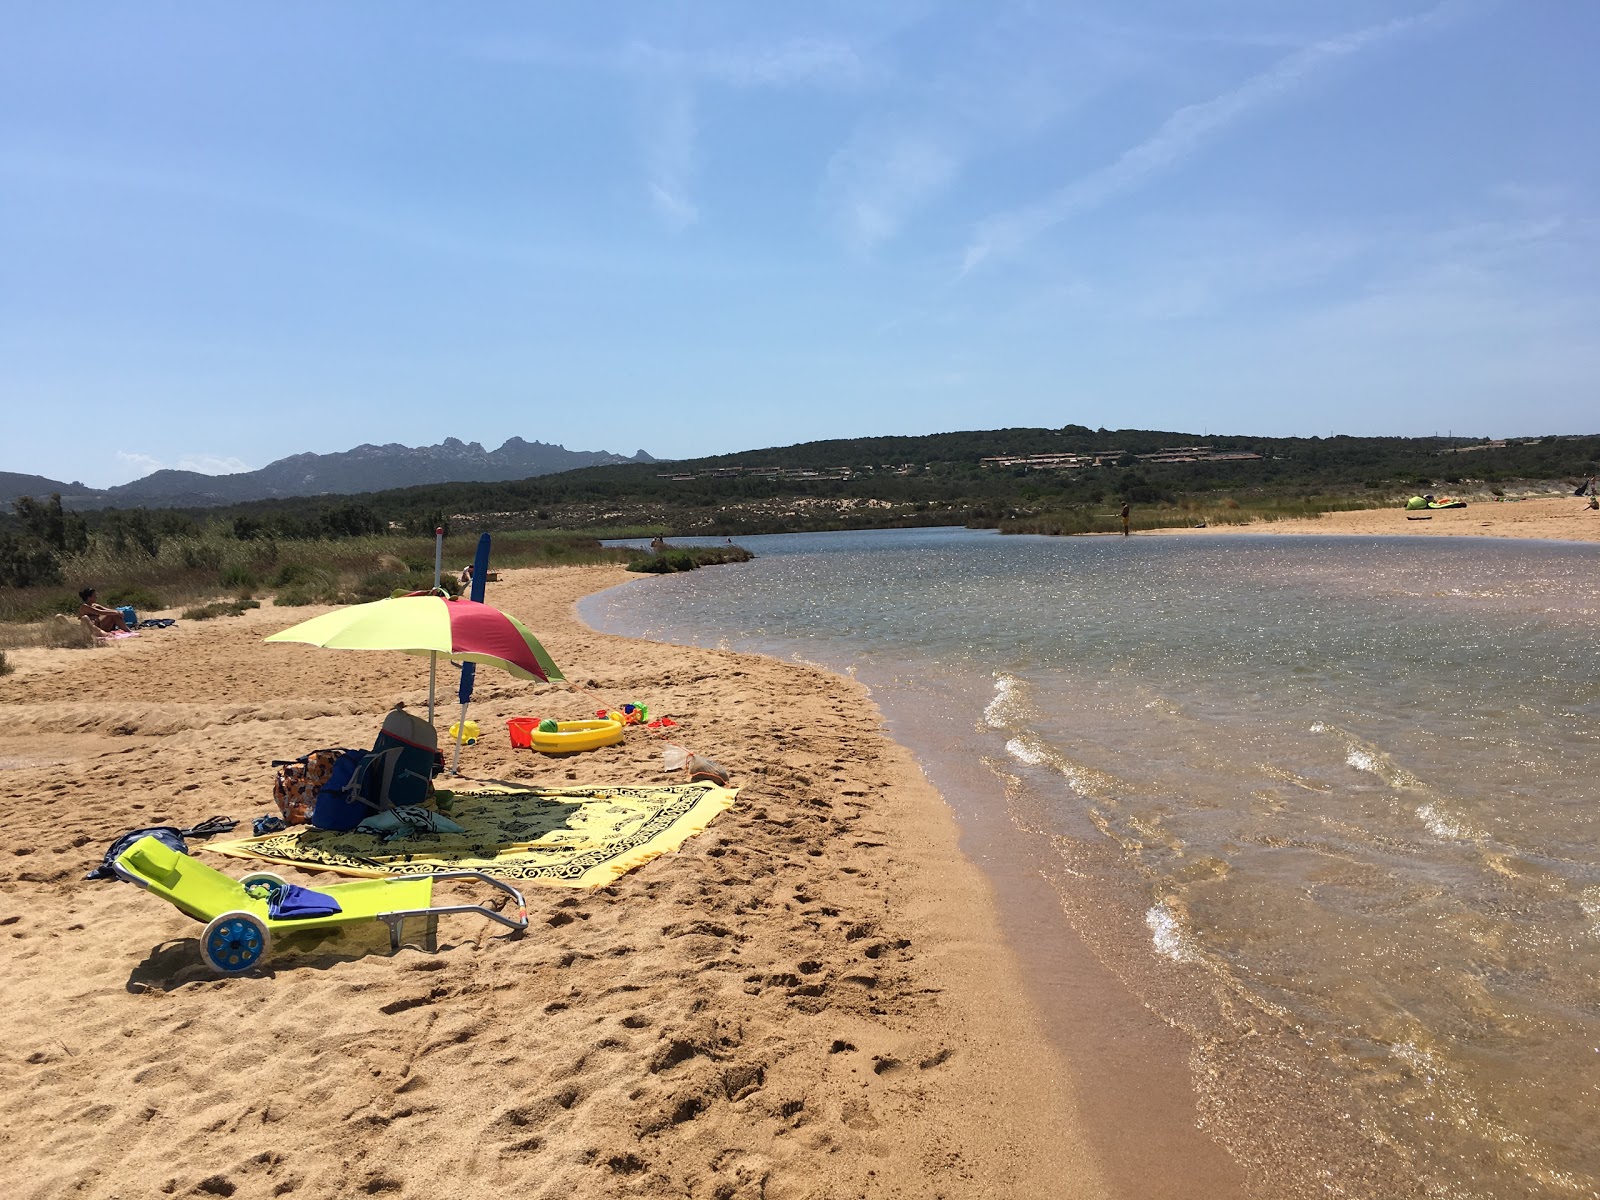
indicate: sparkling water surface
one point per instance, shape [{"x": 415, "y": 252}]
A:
[{"x": 1350, "y": 781}]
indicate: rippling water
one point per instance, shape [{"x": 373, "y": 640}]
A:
[{"x": 1350, "y": 784}]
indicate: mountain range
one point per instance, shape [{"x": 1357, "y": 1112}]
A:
[{"x": 367, "y": 468}]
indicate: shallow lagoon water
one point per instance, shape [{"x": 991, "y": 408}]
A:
[{"x": 1341, "y": 789}]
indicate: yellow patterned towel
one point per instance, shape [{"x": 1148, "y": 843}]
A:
[{"x": 581, "y": 837}]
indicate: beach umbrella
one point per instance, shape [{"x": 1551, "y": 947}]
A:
[{"x": 431, "y": 626}]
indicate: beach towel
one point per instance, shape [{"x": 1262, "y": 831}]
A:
[
  {"x": 411, "y": 821},
  {"x": 580, "y": 837},
  {"x": 292, "y": 902}
]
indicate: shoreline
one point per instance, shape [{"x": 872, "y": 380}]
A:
[
  {"x": 1545, "y": 518},
  {"x": 812, "y": 998}
]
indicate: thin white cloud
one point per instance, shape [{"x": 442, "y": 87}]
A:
[
  {"x": 807, "y": 61},
  {"x": 144, "y": 464},
  {"x": 213, "y": 464},
  {"x": 1182, "y": 134},
  {"x": 668, "y": 80},
  {"x": 874, "y": 183},
  {"x": 816, "y": 62},
  {"x": 670, "y": 136},
  {"x": 820, "y": 62},
  {"x": 204, "y": 463}
]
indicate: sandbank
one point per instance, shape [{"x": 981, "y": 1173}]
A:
[
  {"x": 811, "y": 999},
  {"x": 1557, "y": 518}
]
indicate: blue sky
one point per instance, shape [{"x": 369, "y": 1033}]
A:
[{"x": 230, "y": 233}]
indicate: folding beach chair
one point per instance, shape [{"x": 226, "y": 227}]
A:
[{"x": 237, "y": 912}]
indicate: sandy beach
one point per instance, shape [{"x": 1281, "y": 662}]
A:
[
  {"x": 1558, "y": 518},
  {"x": 808, "y": 1000},
  {"x": 814, "y": 998}
]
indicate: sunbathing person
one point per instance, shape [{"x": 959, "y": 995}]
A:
[{"x": 107, "y": 620}]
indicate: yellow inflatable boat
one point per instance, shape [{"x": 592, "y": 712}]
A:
[{"x": 576, "y": 735}]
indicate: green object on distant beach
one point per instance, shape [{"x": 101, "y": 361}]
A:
[{"x": 1416, "y": 502}]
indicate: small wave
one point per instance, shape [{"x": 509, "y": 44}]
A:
[
  {"x": 1168, "y": 936},
  {"x": 1362, "y": 761},
  {"x": 1414, "y": 1056},
  {"x": 1027, "y": 752},
  {"x": 1444, "y": 825},
  {"x": 1590, "y": 903},
  {"x": 1364, "y": 757},
  {"x": 1007, "y": 704}
]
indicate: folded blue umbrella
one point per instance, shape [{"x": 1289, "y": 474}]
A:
[{"x": 293, "y": 902}]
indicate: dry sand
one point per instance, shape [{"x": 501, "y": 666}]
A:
[
  {"x": 812, "y": 999},
  {"x": 809, "y": 1000},
  {"x": 1560, "y": 518}
]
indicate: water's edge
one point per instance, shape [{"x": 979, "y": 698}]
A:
[{"x": 1137, "y": 1075}]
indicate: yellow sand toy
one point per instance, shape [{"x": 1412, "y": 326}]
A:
[{"x": 238, "y": 912}]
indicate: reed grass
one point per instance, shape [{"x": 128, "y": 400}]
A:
[
  {"x": 195, "y": 570},
  {"x": 1190, "y": 512},
  {"x": 57, "y": 632}
]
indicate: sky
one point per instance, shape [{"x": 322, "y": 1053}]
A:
[{"x": 231, "y": 233}]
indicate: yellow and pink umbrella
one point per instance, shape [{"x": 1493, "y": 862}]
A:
[{"x": 431, "y": 626}]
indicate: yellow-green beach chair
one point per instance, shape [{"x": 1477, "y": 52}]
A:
[{"x": 239, "y": 928}]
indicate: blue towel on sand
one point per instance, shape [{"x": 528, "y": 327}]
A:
[{"x": 295, "y": 903}]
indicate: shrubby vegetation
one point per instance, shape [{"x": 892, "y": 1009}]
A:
[
  {"x": 185, "y": 561},
  {"x": 687, "y": 558},
  {"x": 221, "y": 608}
]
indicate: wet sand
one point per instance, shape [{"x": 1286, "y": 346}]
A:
[
  {"x": 1558, "y": 518},
  {"x": 812, "y": 999}
]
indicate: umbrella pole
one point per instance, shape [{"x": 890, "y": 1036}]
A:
[
  {"x": 438, "y": 570},
  {"x": 461, "y": 733}
]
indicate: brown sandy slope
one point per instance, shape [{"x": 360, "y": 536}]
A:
[
  {"x": 1562, "y": 518},
  {"x": 809, "y": 1000}
]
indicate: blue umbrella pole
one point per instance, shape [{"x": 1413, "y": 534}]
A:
[{"x": 469, "y": 671}]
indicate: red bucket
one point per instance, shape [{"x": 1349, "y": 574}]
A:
[{"x": 521, "y": 730}]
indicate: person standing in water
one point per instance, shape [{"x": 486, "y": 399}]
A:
[{"x": 1124, "y": 520}]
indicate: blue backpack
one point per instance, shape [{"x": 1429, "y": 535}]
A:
[{"x": 396, "y": 773}]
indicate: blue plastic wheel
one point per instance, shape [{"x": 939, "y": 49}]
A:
[{"x": 234, "y": 942}]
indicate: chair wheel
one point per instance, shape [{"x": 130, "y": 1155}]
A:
[{"x": 234, "y": 942}]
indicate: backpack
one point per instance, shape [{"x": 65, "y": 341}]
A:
[
  {"x": 167, "y": 835},
  {"x": 340, "y": 803},
  {"x": 295, "y": 786},
  {"x": 409, "y": 747},
  {"x": 397, "y": 773}
]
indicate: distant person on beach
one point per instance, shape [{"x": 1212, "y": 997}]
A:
[
  {"x": 465, "y": 579},
  {"x": 1124, "y": 520},
  {"x": 658, "y": 543},
  {"x": 107, "y": 620}
]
